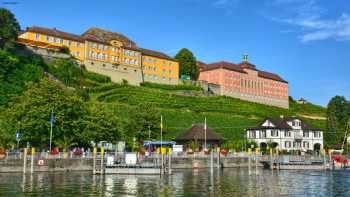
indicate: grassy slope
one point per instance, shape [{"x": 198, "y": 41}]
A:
[{"x": 226, "y": 115}]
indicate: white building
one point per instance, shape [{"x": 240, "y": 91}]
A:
[{"x": 286, "y": 134}]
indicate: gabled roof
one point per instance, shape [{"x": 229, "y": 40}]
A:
[
  {"x": 281, "y": 123},
  {"x": 196, "y": 132},
  {"x": 272, "y": 76},
  {"x": 55, "y": 32},
  {"x": 224, "y": 65},
  {"x": 240, "y": 68},
  {"x": 157, "y": 54},
  {"x": 106, "y": 36}
]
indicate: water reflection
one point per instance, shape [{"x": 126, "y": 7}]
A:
[{"x": 227, "y": 182}]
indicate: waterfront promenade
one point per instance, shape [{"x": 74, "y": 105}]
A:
[{"x": 42, "y": 161}]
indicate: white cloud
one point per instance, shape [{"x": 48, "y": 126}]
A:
[{"x": 309, "y": 17}]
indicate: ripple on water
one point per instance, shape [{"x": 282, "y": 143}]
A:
[{"x": 227, "y": 182}]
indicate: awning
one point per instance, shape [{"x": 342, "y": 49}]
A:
[{"x": 147, "y": 143}]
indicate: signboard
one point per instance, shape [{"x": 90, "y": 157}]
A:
[
  {"x": 130, "y": 158},
  {"x": 185, "y": 77},
  {"x": 177, "y": 148},
  {"x": 110, "y": 160},
  {"x": 18, "y": 135}
]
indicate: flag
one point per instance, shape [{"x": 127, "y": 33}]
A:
[
  {"x": 52, "y": 119},
  {"x": 205, "y": 123},
  {"x": 161, "y": 122}
]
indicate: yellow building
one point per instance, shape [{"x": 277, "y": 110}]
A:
[
  {"x": 108, "y": 53},
  {"x": 159, "y": 68},
  {"x": 51, "y": 38}
]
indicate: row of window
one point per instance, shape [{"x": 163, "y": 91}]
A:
[
  {"x": 275, "y": 133},
  {"x": 155, "y": 68},
  {"x": 131, "y": 53},
  {"x": 53, "y": 39},
  {"x": 103, "y": 56},
  {"x": 288, "y": 144},
  {"x": 156, "y": 77},
  {"x": 154, "y": 60}
]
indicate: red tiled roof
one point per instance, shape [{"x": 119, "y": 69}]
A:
[
  {"x": 224, "y": 65},
  {"x": 158, "y": 54},
  {"x": 269, "y": 75},
  {"x": 55, "y": 32},
  {"x": 240, "y": 68}
]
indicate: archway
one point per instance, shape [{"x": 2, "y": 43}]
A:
[
  {"x": 263, "y": 147},
  {"x": 274, "y": 145},
  {"x": 317, "y": 147}
]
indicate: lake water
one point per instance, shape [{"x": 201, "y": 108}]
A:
[{"x": 227, "y": 182}]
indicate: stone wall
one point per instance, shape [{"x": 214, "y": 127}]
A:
[{"x": 117, "y": 72}]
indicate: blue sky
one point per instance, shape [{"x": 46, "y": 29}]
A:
[{"x": 307, "y": 42}]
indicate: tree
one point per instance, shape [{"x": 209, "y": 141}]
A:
[
  {"x": 9, "y": 29},
  {"x": 338, "y": 113},
  {"x": 32, "y": 111},
  {"x": 142, "y": 118},
  {"x": 187, "y": 63}
]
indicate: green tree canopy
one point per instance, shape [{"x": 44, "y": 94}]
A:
[
  {"x": 9, "y": 29},
  {"x": 142, "y": 118},
  {"x": 187, "y": 63},
  {"x": 338, "y": 114}
]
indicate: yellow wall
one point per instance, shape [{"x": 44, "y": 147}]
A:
[
  {"x": 160, "y": 67},
  {"x": 115, "y": 54},
  {"x": 76, "y": 51}
]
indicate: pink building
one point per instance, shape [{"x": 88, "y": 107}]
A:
[{"x": 245, "y": 82}]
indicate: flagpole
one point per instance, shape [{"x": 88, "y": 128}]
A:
[
  {"x": 51, "y": 124},
  {"x": 205, "y": 133},
  {"x": 161, "y": 139}
]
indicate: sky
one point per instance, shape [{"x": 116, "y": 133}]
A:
[{"x": 306, "y": 42}]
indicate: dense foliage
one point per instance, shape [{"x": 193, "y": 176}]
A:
[
  {"x": 15, "y": 71},
  {"x": 9, "y": 29},
  {"x": 338, "y": 117},
  {"x": 187, "y": 63}
]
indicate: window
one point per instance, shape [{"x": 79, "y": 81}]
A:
[
  {"x": 113, "y": 49},
  {"x": 305, "y": 134},
  {"x": 306, "y": 145},
  {"x": 100, "y": 46},
  {"x": 78, "y": 44},
  {"x": 69, "y": 43},
  {"x": 48, "y": 38},
  {"x": 317, "y": 134},
  {"x": 105, "y": 47},
  {"x": 37, "y": 36},
  {"x": 94, "y": 45},
  {"x": 274, "y": 133},
  {"x": 252, "y": 134},
  {"x": 287, "y": 134},
  {"x": 78, "y": 54},
  {"x": 287, "y": 144},
  {"x": 61, "y": 41}
]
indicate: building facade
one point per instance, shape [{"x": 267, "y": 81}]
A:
[
  {"x": 246, "y": 82},
  {"x": 108, "y": 53},
  {"x": 286, "y": 134}
]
